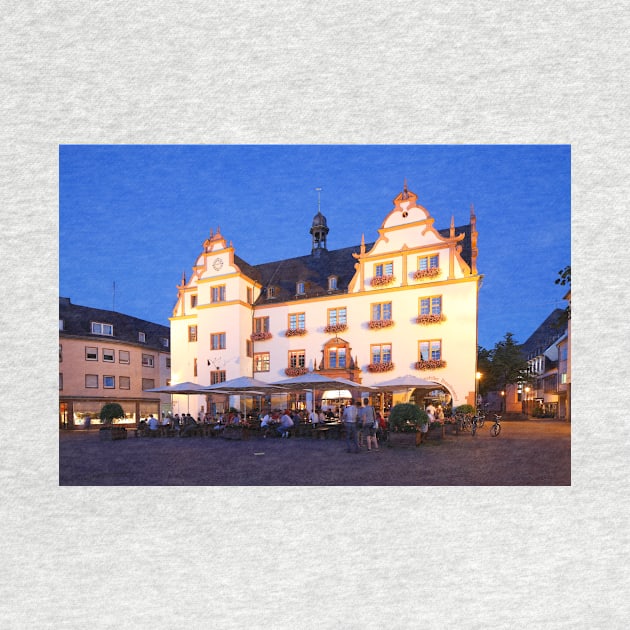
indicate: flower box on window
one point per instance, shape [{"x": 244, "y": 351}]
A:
[
  {"x": 431, "y": 364},
  {"x": 335, "y": 328},
  {"x": 379, "y": 281},
  {"x": 260, "y": 336},
  {"x": 420, "y": 274},
  {"x": 295, "y": 371},
  {"x": 380, "y": 367},
  {"x": 430, "y": 319},
  {"x": 292, "y": 332},
  {"x": 380, "y": 323}
]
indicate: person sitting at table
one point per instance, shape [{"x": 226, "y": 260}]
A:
[
  {"x": 264, "y": 424},
  {"x": 153, "y": 425},
  {"x": 189, "y": 426},
  {"x": 286, "y": 423}
]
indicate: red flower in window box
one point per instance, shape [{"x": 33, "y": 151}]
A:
[
  {"x": 379, "y": 281},
  {"x": 292, "y": 332},
  {"x": 295, "y": 371},
  {"x": 431, "y": 364},
  {"x": 336, "y": 328},
  {"x": 426, "y": 273},
  {"x": 380, "y": 367},
  {"x": 380, "y": 323},
  {"x": 430, "y": 319},
  {"x": 260, "y": 336}
]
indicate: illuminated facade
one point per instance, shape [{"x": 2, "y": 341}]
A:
[
  {"x": 106, "y": 356},
  {"x": 403, "y": 304}
]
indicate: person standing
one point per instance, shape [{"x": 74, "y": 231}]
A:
[
  {"x": 86, "y": 421},
  {"x": 350, "y": 414},
  {"x": 370, "y": 425}
]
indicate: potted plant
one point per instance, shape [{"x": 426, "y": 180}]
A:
[
  {"x": 405, "y": 420},
  {"x": 109, "y": 413}
]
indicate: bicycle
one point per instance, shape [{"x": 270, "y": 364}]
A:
[
  {"x": 463, "y": 421},
  {"x": 495, "y": 429},
  {"x": 473, "y": 424}
]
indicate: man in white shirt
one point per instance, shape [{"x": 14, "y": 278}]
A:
[{"x": 350, "y": 414}]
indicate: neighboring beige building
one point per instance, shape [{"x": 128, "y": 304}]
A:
[
  {"x": 106, "y": 356},
  {"x": 404, "y": 304}
]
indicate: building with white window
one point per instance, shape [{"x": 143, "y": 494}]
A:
[
  {"x": 405, "y": 303},
  {"x": 106, "y": 356}
]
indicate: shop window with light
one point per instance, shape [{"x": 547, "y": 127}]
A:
[
  {"x": 297, "y": 358},
  {"x": 217, "y": 376},
  {"x": 148, "y": 360},
  {"x": 217, "y": 341},
  {"x": 108, "y": 355},
  {"x": 123, "y": 356},
  {"x": 109, "y": 382},
  {"x": 148, "y": 383},
  {"x": 217, "y": 294},
  {"x": 91, "y": 353},
  {"x": 99, "y": 328},
  {"x": 382, "y": 311},
  {"x": 192, "y": 333},
  {"x": 124, "y": 382},
  {"x": 384, "y": 269},
  {"x": 91, "y": 380},
  {"x": 261, "y": 362}
]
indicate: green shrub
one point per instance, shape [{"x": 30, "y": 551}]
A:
[
  {"x": 407, "y": 417},
  {"x": 110, "y": 412}
]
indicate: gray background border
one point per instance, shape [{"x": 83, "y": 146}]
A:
[{"x": 298, "y": 72}]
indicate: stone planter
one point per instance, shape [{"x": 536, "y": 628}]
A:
[{"x": 401, "y": 440}]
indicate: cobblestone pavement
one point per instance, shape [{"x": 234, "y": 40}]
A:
[{"x": 526, "y": 453}]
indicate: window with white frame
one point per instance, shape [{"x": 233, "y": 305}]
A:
[
  {"x": 382, "y": 311},
  {"x": 271, "y": 292},
  {"x": 297, "y": 321},
  {"x": 381, "y": 353},
  {"x": 91, "y": 380},
  {"x": 109, "y": 382},
  {"x": 91, "y": 353},
  {"x": 332, "y": 283},
  {"x": 148, "y": 360},
  {"x": 384, "y": 269},
  {"x": 428, "y": 262},
  {"x": 261, "y": 362},
  {"x": 431, "y": 305},
  {"x": 430, "y": 350},
  {"x": 164, "y": 342},
  {"x": 142, "y": 338},
  {"x": 299, "y": 288},
  {"x": 99, "y": 328},
  {"x": 297, "y": 358},
  {"x": 109, "y": 356},
  {"x": 337, "y": 316},
  {"x": 123, "y": 356}
]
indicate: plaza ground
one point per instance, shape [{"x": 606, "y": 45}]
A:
[{"x": 526, "y": 453}]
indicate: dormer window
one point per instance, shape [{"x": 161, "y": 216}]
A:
[
  {"x": 271, "y": 292},
  {"x": 142, "y": 337},
  {"x": 332, "y": 283},
  {"x": 98, "y": 328},
  {"x": 299, "y": 288}
]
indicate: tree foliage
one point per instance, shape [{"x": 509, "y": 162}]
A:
[
  {"x": 501, "y": 366},
  {"x": 407, "y": 417},
  {"x": 111, "y": 411},
  {"x": 564, "y": 279}
]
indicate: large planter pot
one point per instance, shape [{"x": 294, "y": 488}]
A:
[
  {"x": 112, "y": 433},
  {"x": 401, "y": 440}
]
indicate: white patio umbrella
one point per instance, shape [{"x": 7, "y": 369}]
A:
[
  {"x": 241, "y": 384},
  {"x": 312, "y": 380},
  {"x": 408, "y": 381},
  {"x": 187, "y": 388}
]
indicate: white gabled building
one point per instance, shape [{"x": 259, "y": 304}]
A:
[{"x": 403, "y": 304}]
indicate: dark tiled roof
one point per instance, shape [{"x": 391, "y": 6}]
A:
[
  {"x": 315, "y": 269},
  {"x": 545, "y": 335},
  {"x": 77, "y": 322}
]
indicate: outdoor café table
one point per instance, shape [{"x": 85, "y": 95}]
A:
[{"x": 335, "y": 429}]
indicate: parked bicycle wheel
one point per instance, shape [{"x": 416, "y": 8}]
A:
[
  {"x": 495, "y": 430},
  {"x": 480, "y": 420}
]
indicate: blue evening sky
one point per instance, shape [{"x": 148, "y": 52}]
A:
[{"x": 138, "y": 215}]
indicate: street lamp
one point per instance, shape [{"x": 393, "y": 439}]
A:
[
  {"x": 502, "y": 401},
  {"x": 477, "y": 379}
]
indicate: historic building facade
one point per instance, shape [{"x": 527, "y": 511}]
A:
[
  {"x": 106, "y": 356},
  {"x": 403, "y": 304}
]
